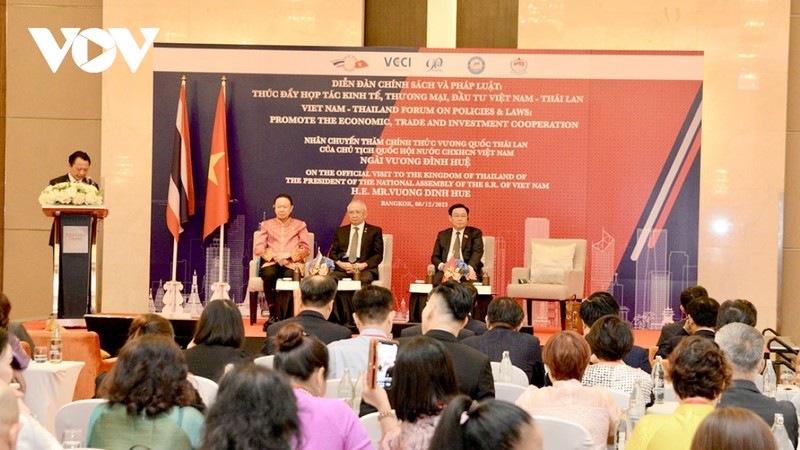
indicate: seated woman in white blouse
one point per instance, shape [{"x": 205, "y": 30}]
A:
[
  {"x": 567, "y": 355},
  {"x": 610, "y": 339}
]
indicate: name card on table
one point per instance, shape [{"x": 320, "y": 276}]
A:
[{"x": 349, "y": 285}]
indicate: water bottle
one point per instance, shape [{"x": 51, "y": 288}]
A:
[
  {"x": 506, "y": 369},
  {"x": 623, "y": 432},
  {"x": 358, "y": 388},
  {"x": 770, "y": 380},
  {"x": 637, "y": 402},
  {"x": 55, "y": 344},
  {"x": 779, "y": 431},
  {"x": 658, "y": 380},
  {"x": 346, "y": 388}
]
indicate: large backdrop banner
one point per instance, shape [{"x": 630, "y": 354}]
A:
[{"x": 597, "y": 145}]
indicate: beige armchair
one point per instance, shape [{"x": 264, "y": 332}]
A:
[
  {"x": 552, "y": 289},
  {"x": 385, "y": 267},
  {"x": 255, "y": 284}
]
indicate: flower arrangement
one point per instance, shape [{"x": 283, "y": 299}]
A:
[
  {"x": 455, "y": 269},
  {"x": 68, "y": 193},
  {"x": 320, "y": 265}
]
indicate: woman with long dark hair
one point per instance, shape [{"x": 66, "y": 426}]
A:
[{"x": 423, "y": 382}]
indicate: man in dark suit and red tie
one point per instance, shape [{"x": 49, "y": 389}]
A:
[
  {"x": 447, "y": 243},
  {"x": 357, "y": 247}
]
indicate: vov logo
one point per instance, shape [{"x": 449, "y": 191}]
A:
[{"x": 109, "y": 41}]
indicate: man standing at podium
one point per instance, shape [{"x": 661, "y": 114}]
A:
[
  {"x": 79, "y": 163},
  {"x": 357, "y": 247},
  {"x": 459, "y": 242}
]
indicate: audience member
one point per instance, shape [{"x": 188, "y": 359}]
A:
[
  {"x": 744, "y": 347},
  {"x": 144, "y": 325},
  {"x": 701, "y": 320},
  {"x": 423, "y": 382},
  {"x": 325, "y": 423},
  {"x": 567, "y": 355},
  {"x": 601, "y": 304},
  {"x": 679, "y": 328},
  {"x": 477, "y": 326},
  {"x": 270, "y": 419},
  {"x": 738, "y": 310},
  {"x": 488, "y": 425},
  {"x": 446, "y": 246},
  {"x": 699, "y": 373},
  {"x": 733, "y": 429},
  {"x": 20, "y": 359},
  {"x": 149, "y": 400},
  {"x": 282, "y": 244},
  {"x": 373, "y": 316},
  {"x": 317, "y": 293},
  {"x": 32, "y": 435},
  {"x": 218, "y": 338},
  {"x": 9, "y": 418},
  {"x": 463, "y": 332},
  {"x": 609, "y": 338},
  {"x": 504, "y": 319},
  {"x": 443, "y": 315}
]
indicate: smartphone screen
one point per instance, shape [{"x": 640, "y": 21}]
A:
[{"x": 382, "y": 358}]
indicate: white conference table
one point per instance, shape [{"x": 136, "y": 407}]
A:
[{"x": 48, "y": 387}]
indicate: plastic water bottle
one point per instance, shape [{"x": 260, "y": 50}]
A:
[
  {"x": 55, "y": 344},
  {"x": 623, "y": 432},
  {"x": 637, "y": 402},
  {"x": 346, "y": 388},
  {"x": 770, "y": 380},
  {"x": 658, "y": 380},
  {"x": 358, "y": 388},
  {"x": 506, "y": 368},
  {"x": 779, "y": 431}
]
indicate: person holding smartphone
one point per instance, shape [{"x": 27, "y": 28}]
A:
[{"x": 422, "y": 383}]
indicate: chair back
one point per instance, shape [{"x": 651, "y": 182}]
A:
[
  {"x": 518, "y": 376},
  {"x": 76, "y": 415},
  {"x": 373, "y": 427},
  {"x": 332, "y": 388},
  {"x": 560, "y": 434},
  {"x": 622, "y": 399},
  {"x": 488, "y": 257},
  {"x": 579, "y": 258},
  {"x": 385, "y": 267},
  {"x": 266, "y": 361},
  {"x": 206, "y": 388},
  {"x": 507, "y": 392}
]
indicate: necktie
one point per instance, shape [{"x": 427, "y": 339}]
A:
[
  {"x": 352, "y": 254},
  {"x": 457, "y": 246}
]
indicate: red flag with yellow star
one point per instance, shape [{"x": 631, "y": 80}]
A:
[{"x": 218, "y": 191}]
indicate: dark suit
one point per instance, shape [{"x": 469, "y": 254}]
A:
[
  {"x": 476, "y": 326},
  {"x": 638, "y": 358},
  {"x": 667, "y": 333},
  {"x": 675, "y": 340},
  {"x": 371, "y": 251},
  {"x": 473, "y": 368},
  {"x": 313, "y": 323},
  {"x": 416, "y": 330},
  {"x": 524, "y": 349},
  {"x": 471, "y": 250},
  {"x": 63, "y": 179},
  {"x": 744, "y": 394}
]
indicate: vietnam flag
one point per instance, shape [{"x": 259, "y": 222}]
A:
[
  {"x": 180, "y": 197},
  {"x": 218, "y": 192}
]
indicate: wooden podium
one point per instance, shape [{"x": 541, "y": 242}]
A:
[{"x": 74, "y": 259}]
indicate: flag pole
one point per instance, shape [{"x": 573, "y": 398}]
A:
[
  {"x": 220, "y": 288},
  {"x": 173, "y": 300}
]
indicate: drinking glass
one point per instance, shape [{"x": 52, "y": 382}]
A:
[{"x": 40, "y": 354}]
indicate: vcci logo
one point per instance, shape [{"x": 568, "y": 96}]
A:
[{"x": 109, "y": 41}]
